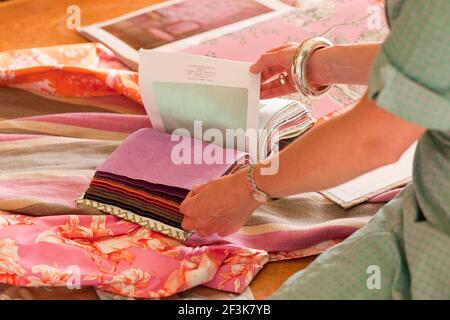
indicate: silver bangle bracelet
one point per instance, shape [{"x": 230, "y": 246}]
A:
[
  {"x": 257, "y": 193},
  {"x": 298, "y": 70}
]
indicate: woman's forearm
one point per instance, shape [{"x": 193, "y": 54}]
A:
[
  {"x": 342, "y": 64},
  {"x": 363, "y": 139}
]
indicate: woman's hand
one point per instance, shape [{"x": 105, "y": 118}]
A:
[
  {"x": 220, "y": 206},
  {"x": 344, "y": 63},
  {"x": 276, "y": 63}
]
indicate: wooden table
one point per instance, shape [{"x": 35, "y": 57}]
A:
[{"x": 39, "y": 23}]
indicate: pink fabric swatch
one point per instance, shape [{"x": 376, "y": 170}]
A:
[{"x": 148, "y": 155}]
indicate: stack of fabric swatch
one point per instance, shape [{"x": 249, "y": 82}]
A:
[
  {"x": 282, "y": 122},
  {"x": 149, "y": 175},
  {"x": 144, "y": 180}
]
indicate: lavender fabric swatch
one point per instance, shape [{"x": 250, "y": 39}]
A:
[{"x": 147, "y": 155}]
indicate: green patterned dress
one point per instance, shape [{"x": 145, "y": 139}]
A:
[{"x": 404, "y": 252}]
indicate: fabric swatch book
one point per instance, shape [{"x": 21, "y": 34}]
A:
[
  {"x": 178, "y": 24},
  {"x": 141, "y": 182},
  {"x": 214, "y": 100},
  {"x": 148, "y": 176}
]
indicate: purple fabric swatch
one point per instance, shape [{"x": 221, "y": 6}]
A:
[{"x": 147, "y": 155}]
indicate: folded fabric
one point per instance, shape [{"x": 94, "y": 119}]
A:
[
  {"x": 282, "y": 122},
  {"x": 141, "y": 180},
  {"x": 116, "y": 256},
  {"x": 126, "y": 259}
]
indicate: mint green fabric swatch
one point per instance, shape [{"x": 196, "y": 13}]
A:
[{"x": 180, "y": 104}]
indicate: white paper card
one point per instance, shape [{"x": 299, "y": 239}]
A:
[
  {"x": 376, "y": 180},
  {"x": 178, "y": 89}
]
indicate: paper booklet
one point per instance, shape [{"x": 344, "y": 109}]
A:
[
  {"x": 207, "y": 98},
  {"x": 178, "y": 24},
  {"x": 374, "y": 182}
]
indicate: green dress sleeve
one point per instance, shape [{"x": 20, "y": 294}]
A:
[{"x": 411, "y": 74}]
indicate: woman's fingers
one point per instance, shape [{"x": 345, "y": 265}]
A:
[
  {"x": 282, "y": 47},
  {"x": 188, "y": 223},
  {"x": 272, "y": 85},
  {"x": 276, "y": 92},
  {"x": 271, "y": 72},
  {"x": 201, "y": 234},
  {"x": 277, "y": 82},
  {"x": 200, "y": 227},
  {"x": 265, "y": 61},
  {"x": 227, "y": 231},
  {"x": 189, "y": 196},
  {"x": 198, "y": 188},
  {"x": 186, "y": 205},
  {"x": 279, "y": 56},
  {"x": 275, "y": 88},
  {"x": 209, "y": 214},
  {"x": 206, "y": 232}
]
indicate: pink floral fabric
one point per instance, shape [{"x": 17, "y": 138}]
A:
[{"x": 117, "y": 256}]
